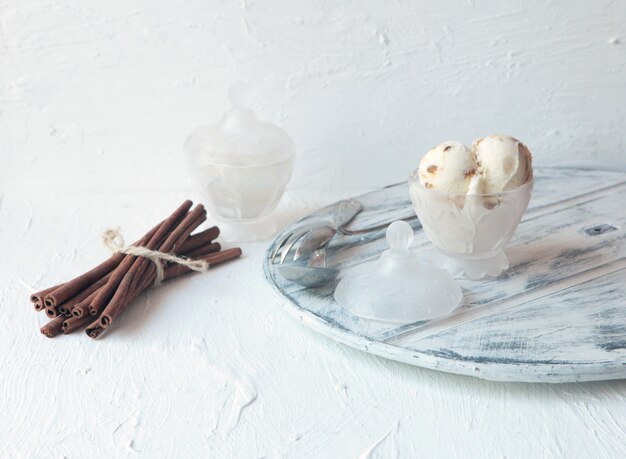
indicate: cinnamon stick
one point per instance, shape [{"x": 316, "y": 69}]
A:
[
  {"x": 76, "y": 285},
  {"x": 66, "y": 307},
  {"x": 94, "y": 330},
  {"x": 200, "y": 239},
  {"x": 52, "y": 311},
  {"x": 57, "y": 295},
  {"x": 109, "y": 289},
  {"x": 169, "y": 272},
  {"x": 82, "y": 308},
  {"x": 212, "y": 258},
  {"x": 71, "y": 324},
  {"x": 53, "y": 328},
  {"x": 38, "y": 298},
  {"x": 201, "y": 251},
  {"x": 174, "y": 241},
  {"x": 69, "y": 306},
  {"x": 97, "y": 328},
  {"x": 134, "y": 275}
]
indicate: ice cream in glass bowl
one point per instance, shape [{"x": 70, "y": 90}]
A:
[{"x": 470, "y": 201}]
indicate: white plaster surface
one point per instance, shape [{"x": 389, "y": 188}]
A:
[
  {"x": 211, "y": 366},
  {"x": 96, "y": 98},
  {"x": 87, "y": 85}
]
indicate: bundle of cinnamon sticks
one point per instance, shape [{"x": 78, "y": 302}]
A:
[{"x": 96, "y": 298}]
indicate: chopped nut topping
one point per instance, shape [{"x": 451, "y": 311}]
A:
[
  {"x": 469, "y": 173},
  {"x": 431, "y": 169},
  {"x": 428, "y": 185},
  {"x": 447, "y": 148}
]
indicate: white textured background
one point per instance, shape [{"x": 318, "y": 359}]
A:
[
  {"x": 96, "y": 98},
  {"x": 88, "y": 86}
]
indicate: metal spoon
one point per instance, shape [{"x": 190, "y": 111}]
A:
[
  {"x": 313, "y": 274},
  {"x": 313, "y": 246},
  {"x": 342, "y": 213},
  {"x": 319, "y": 237},
  {"x": 313, "y": 240}
]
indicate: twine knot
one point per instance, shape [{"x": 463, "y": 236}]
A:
[{"x": 114, "y": 241}]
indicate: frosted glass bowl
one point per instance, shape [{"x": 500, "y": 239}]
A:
[
  {"x": 240, "y": 164},
  {"x": 470, "y": 232},
  {"x": 241, "y": 193}
]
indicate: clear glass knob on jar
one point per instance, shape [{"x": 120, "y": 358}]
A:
[{"x": 242, "y": 166}]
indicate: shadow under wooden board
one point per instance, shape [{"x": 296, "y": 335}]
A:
[{"x": 557, "y": 315}]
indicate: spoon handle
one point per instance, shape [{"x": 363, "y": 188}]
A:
[
  {"x": 348, "y": 232},
  {"x": 345, "y": 211}
]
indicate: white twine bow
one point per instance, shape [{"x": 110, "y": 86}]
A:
[{"x": 115, "y": 242}]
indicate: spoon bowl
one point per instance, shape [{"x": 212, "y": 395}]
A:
[
  {"x": 308, "y": 276},
  {"x": 312, "y": 274},
  {"x": 308, "y": 243},
  {"x": 315, "y": 240}
]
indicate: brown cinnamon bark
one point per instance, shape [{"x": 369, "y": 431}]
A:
[
  {"x": 134, "y": 275},
  {"x": 56, "y": 294},
  {"x": 200, "y": 239},
  {"x": 119, "y": 284},
  {"x": 52, "y": 312},
  {"x": 202, "y": 251},
  {"x": 71, "y": 324},
  {"x": 78, "y": 284},
  {"x": 38, "y": 298},
  {"x": 212, "y": 258},
  {"x": 96, "y": 328},
  {"x": 66, "y": 307},
  {"x": 208, "y": 253},
  {"x": 107, "y": 291},
  {"x": 173, "y": 243},
  {"x": 81, "y": 309},
  {"x": 53, "y": 328}
]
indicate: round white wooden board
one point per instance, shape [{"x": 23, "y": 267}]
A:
[{"x": 557, "y": 315}]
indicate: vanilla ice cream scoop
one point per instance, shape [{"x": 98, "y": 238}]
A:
[
  {"x": 470, "y": 202},
  {"x": 448, "y": 167},
  {"x": 504, "y": 162}
]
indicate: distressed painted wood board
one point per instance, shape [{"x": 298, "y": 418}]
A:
[{"x": 557, "y": 315}]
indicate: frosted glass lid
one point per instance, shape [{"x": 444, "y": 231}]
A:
[
  {"x": 239, "y": 138},
  {"x": 398, "y": 287}
]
